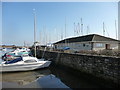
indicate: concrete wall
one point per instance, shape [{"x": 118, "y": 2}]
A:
[{"x": 104, "y": 67}]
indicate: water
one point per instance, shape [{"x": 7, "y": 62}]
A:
[
  {"x": 52, "y": 77},
  {"x": 46, "y": 78},
  {"x": 43, "y": 78}
]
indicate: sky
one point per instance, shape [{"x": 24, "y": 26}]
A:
[{"x": 51, "y": 19}]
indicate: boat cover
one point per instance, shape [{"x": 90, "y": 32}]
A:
[
  {"x": 13, "y": 61},
  {"x": 66, "y": 48}
]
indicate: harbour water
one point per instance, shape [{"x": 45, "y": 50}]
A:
[{"x": 51, "y": 77}]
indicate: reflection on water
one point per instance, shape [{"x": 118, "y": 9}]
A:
[
  {"x": 46, "y": 78},
  {"x": 33, "y": 79},
  {"x": 51, "y": 81},
  {"x": 72, "y": 80},
  {"x": 24, "y": 78}
]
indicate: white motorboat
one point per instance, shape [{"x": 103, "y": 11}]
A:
[
  {"x": 16, "y": 53},
  {"x": 24, "y": 64},
  {"x": 4, "y": 49}
]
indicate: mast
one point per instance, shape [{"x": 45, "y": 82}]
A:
[
  {"x": 24, "y": 44},
  {"x": 74, "y": 29},
  {"x": 81, "y": 26},
  {"x": 87, "y": 30},
  {"x": 34, "y": 30},
  {"x": 116, "y": 28},
  {"x": 65, "y": 31},
  {"x": 40, "y": 38},
  {"x": 78, "y": 28},
  {"x": 103, "y": 29},
  {"x": 61, "y": 33}
]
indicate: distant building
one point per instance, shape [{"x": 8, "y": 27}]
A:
[
  {"x": 7, "y": 46},
  {"x": 88, "y": 42}
]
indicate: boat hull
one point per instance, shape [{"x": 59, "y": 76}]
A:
[{"x": 24, "y": 67}]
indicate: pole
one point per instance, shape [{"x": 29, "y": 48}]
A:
[
  {"x": 74, "y": 28},
  {"x": 103, "y": 29},
  {"x": 65, "y": 31},
  {"x": 34, "y": 31},
  {"x": 116, "y": 28},
  {"x": 81, "y": 27}
]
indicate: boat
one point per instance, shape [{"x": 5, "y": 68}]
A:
[
  {"x": 26, "y": 63},
  {"x": 3, "y": 49},
  {"x": 16, "y": 53}
]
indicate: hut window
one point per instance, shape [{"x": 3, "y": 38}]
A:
[
  {"x": 83, "y": 45},
  {"x": 99, "y": 45}
]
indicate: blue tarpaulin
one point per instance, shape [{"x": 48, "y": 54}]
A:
[
  {"x": 66, "y": 48},
  {"x": 13, "y": 61}
]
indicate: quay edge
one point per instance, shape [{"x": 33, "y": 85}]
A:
[{"x": 103, "y": 67}]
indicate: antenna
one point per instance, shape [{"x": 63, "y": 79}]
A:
[
  {"x": 116, "y": 28},
  {"x": 81, "y": 26}
]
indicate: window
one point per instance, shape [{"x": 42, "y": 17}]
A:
[
  {"x": 30, "y": 61},
  {"x": 83, "y": 45},
  {"x": 99, "y": 45}
]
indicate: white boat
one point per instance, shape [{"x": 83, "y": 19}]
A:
[
  {"x": 16, "y": 53},
  {"x": 24, "y": 64},
  {"x": 4, "y": 49}
]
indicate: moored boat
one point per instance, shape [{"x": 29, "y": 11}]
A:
[
  {"x": 16, "y": 53},
  {"x": 24, "y": 64}
]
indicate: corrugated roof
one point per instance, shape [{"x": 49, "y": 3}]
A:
[{"x": 91, "y": 37}]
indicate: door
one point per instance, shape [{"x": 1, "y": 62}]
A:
[{"x": 107, "y": 46}]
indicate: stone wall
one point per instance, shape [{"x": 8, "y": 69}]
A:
[{"x": 99, "y": 66}]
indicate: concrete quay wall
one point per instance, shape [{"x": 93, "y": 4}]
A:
[{"x": 99, "y": 66}]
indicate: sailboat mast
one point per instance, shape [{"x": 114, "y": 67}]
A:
[
  {"x": 34, "y": 31},
  {"x": 103, "y": 29},
  {"x": 116, "y": 28},
  {"x": 81, "y": 27},
  {"x": 74, "y": 29},
  {"x": 87, "y": 30},
  {"x": 65, "y": 31}
]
